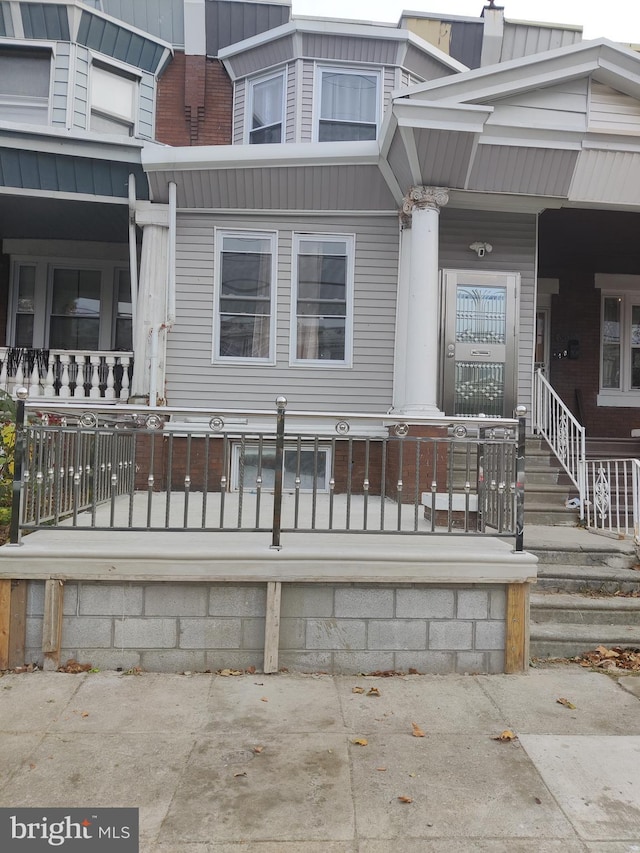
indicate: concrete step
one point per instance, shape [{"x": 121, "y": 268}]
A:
[
  {"x": 592, "y": 551},
  {"x": 549, "y": 515},
  {"x": 558, "y": 577},
  {"x": 564, "y": 607},
  {"x": 561, "y": 639}
]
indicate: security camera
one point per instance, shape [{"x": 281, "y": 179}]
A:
[{"x": 481, "y": 249}]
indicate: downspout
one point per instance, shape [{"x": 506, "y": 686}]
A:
[
  {"x": 153, "y": 366},
  {"x": 133, "y": 258},
  {"x": 171, "y": 259}
]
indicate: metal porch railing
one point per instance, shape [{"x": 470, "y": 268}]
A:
[
  {"x": 563, "y": 432},
  {"x": 120, "y": 467},
  {"x": 613, "y": 496}
]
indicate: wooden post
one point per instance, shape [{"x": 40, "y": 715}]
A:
[
  {"x": 5, "y": 622},
  {"x": 18, "y": 623},
  {"x": 52, "y": 623},
  {"x": 516, "y": 649},
  {"x": 272, "y": 626}
]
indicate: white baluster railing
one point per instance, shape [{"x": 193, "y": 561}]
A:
[
  {"x": 564, "y": 433},
  {"x": 613, "y": 496},
  {"x": 68, "y": 374}
]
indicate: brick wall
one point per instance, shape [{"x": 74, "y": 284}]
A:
[{"x": 194, "y": 103}]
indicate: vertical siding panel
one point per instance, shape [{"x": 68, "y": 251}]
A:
[
  {"x": 240, "y": 94},
  {"x": 308, "y": 75},
  {"x": 146, "y": 106},
  {"x": 290, "y": 103},
  {"x": 81, "y": 89},
  {"x": 61, "y": 81}
]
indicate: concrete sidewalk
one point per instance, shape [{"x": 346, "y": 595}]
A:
[{"x": 270, "y": 763}]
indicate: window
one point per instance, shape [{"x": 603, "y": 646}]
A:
[
  {"x": 24, "y": 85},
  {"x": 113, "y": 101},
  {"x": 266, "y": 107},
  {"x": 620, "y": 349},
  {"x": 322, "y": 299},
  {"x": 245, "y": 287},
  {"x": 308, "y": 465},
  {"x": 349, "y": 106},
  {"x": 65, "y": 306}
]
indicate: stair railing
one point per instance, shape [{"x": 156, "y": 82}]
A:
[
  {"x": 564, "y": 433},
  {"x": 613, "y": 492}
]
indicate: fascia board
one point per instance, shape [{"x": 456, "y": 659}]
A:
[
  {"x": 468, "y": 118},
  {"x": 613, "y": 142},
  {"x": 52, "y": 141},
  {"x": 505, "y": 202},
  {"x": 62, "y": 195},
  {"x": 532, "y": 138},
  {"x": 208, "y": 157},
  {"x": 387, "y": 132}
]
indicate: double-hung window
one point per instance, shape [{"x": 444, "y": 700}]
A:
[
  {"x": 266, "y": 109},
  {"x": 349, "y": 105},
  {"x": 24, "y": 84},
  {"x": 322, "y": 303},
  {"x": 113, "y": 100},
  {"x": 245, "y": 288},
  {"x": 619, "y": 341}
]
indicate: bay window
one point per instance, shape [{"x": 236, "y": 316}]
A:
[
  {"x": 266, "y": 110},
  {"x": 322, "y": 299},
  {"x": 348, "y": 105},
  {"x": 245, "y": 288}
]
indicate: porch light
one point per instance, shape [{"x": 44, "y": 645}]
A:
[{"x": 481, "y": 249}]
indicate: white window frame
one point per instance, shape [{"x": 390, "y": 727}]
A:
[
  {"x": 43, "y": 296},
  {"x": 619, "y": 287},
  {"x": 289, "y": 448},
  {"x": 124, "y": 72},
  {"x": 219, "y": 236},
  {"x": 350, "y": 251},
  {"x": 350, "y": 69},
  {"x": 41, "y": 105},
  {"x": 248, "y": 114}
]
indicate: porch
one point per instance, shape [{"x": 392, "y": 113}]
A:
[{"x": 182, "y": 538}]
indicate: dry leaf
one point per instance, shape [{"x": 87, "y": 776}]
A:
[
  {"x": 381, "y": 769},
  {"x": 251, "y": 670},
  {"x": 357, "y": 689},
  {"x": 566, "y": 703},
  {"x": 506, "y": 735},
  {"x": 374, "y": 691},
  {"x": 604, "y": 652},
  {"x": 264, "y": 699},
  {"x": 406, "y": 799},
  {"x": 258, "y": 749},
  {"x": 227, "y": 672},
  {"x": 85, "y": 714},
  {"x": 360, "y": 741},
  {"x": 244, "y": 773},
  {"x": 417, "y": 731},
  {"x": 32, "y": 767}
]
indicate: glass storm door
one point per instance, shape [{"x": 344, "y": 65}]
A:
[{"x": 479, "y": 340}]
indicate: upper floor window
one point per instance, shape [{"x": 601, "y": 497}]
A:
[
  {"x": 24, "y": 85},
  {"x": 266, "y": 109},
  {"x": 322, "y": 299},
  {"x": 113, "y": 100},
  {"x": 349, "y": 105},
  {"x": 68, "y": 306},
  {"x": 245, "y": 286}
]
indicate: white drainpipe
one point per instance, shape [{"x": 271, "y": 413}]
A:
[
  {"x": 171, "y": 259},
  {"x": 153, "y": 366},
  {"x": 133, "y": 258}
]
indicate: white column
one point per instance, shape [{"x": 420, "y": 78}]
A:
[
  {"x": 152, "y": 301},
  {"x": 419, "y": 286}
]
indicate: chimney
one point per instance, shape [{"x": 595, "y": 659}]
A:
[{"x": 492, "y": 35}]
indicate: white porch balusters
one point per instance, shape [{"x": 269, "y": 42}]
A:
[
  {"x": 78, "y": 391},
  {"x": 109, "y": 392},
  {"x": 34, "y": 383},
  {"x": 415, "y": 391},
  {"x": 65, "y": 390},
  {"x": 94, "y": 393},
  {"x": 124, "y": 382},
  {"x": 49, "y": 382}
]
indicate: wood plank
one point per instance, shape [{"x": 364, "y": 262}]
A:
[
  {"x": 18, "y": 623},
  {"x": 5, "y": 622},
  {"x": 52, "y": 623},
  {"x": 272, "y": 626},
  {"x": 516, "y": 651}
]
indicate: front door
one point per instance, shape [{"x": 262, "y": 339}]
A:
[{"x": 479, "y": 338}]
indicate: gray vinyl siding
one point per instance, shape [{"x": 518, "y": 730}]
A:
[
  {"x": 239, "y": 98},
  {"x": 161, "y": 18},
  {"x": 561, "y": 107},
  {"x": 192, "y": 378},
  {"x": 228, "y": 22},
  {"x": 513, "y": 237},
  {"x": 146, "y": 107},
  {"x": 511, "y": 169},
  {"x": 465, "y": 44},
  {"x": 263, "y": 57},
  {"x": 81, "y": 89},
  {"x": 328, "y": 47},
  {"x": 424, "y": 66},
  {"x": 45, "y": 21},
  {"x": 60, "y": 89},
  {"x": 611, "y": 111},
  {"x": 291, "y": 111},
  {"x": 526, "y": 39},
  {"x": 306, "y": 118}
]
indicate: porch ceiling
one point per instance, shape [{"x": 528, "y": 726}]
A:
[{"x": 35, "y": 217}]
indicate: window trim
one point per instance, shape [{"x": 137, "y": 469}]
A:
[
  {"x": 219, "y": 235},
  {"x": 117, "y": 69},
  {"x": 347, "y": 69},
  {"x": 248, "y": 111},
  {"x": 43, "y": 296},
  {"x": 350, "y": 246},
  {"x": 618, "y": 287}
]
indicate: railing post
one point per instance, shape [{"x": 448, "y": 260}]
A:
[
  {"x": 521, "y": 412},
  {"x": 18, "y": 453},
  {"x": 281, "y": 403}
]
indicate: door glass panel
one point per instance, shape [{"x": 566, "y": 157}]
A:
[
  {"x": 479, "y": 388},
  {"x": 481, "y": 314}
]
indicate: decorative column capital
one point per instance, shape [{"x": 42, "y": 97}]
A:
[{"x": 424, "y": 198}]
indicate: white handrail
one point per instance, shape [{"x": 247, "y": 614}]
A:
[
  {"x": 613, "y": 496},
  {"x": 563, "y": 432}
]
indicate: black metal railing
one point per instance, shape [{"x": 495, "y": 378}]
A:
[{"x": 126, "y": 468}]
